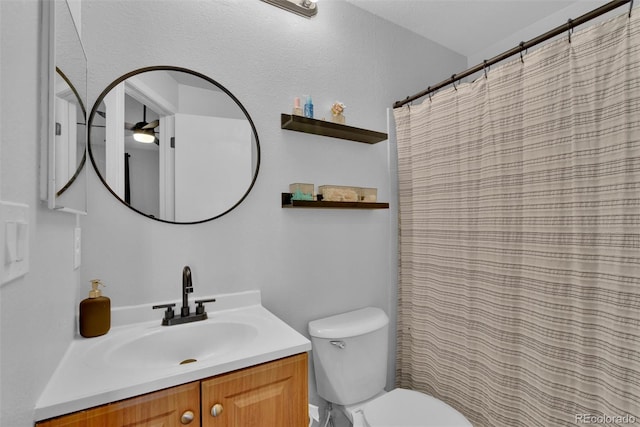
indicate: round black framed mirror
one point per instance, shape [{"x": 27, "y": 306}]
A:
[{"x": 173, "y": 145}]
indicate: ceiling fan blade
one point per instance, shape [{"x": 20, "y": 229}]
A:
[
  {"x": 102, "y": 114},
  {"x": 152, "y": 125},
  {"x": 130, "y": 126}
]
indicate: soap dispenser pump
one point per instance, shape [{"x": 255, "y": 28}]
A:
[{"x": 95, "y": 312}]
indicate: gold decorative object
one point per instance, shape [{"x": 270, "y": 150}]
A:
[{"x": 336, "y": 112}]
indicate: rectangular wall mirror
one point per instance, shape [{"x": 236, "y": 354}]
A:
[{"x": 63, "y": 179}]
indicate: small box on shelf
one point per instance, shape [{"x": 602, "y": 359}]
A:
[
  {"x": 339, "y": 193},
  {"x": 369, "y": 195},
  {"x": 301, "y": 191}
]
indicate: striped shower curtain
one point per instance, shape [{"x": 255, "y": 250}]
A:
[{"x": 519, "y": 299}]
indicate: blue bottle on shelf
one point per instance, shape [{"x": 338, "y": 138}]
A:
[{"x": 308, "y": 108}]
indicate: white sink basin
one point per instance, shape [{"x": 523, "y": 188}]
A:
[
  {"x": 140, "y": 356},
  {"x": 166, "y": 346}
]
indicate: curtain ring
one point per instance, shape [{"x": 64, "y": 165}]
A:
[
  {"x": 486, "y": 67},
  {"x": 570, "y": 28},
  {"x": 521, "y": 49},
  {"x": 429, "y": 93},
  {"x": 453, "y": 82}
]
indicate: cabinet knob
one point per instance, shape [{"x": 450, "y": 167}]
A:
[
  {"x": 187, "y": 417},
  {"x": 216, "y": 410}
]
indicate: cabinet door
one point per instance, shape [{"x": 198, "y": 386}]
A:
[
  {"x": 172, "y": 407},
  {"x": 268, "y": 395}
]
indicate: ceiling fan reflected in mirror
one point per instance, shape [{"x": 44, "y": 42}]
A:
[{"x": 143, "y": 131}]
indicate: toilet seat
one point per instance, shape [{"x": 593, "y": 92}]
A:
[{"x": 408, "y": 408}]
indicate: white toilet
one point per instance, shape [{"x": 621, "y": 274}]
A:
[{"x": 350, "y": 362}]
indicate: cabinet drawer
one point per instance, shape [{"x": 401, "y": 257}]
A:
[{"x": 164, "y": 408}]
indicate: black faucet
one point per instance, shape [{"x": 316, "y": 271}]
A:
[
  {"x": 187, "y": 288},
  {"x": 185, "y": 313}
]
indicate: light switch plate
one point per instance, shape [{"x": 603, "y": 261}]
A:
[
  {"x": 77, "y": 247},
  {"x": 14, "y": 236}
]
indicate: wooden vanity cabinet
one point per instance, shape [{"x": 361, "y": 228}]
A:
[{"x": 270, "y": 394}]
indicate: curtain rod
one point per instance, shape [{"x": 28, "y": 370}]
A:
[{"x": 520, "y": 48}]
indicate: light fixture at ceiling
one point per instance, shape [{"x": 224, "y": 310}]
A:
[
  {"x": 145, "y": 136},
  {"x": 143, "y": 131},
  {"x": 306, "y": 8}
]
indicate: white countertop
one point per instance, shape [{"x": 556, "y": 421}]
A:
[{"x": 83, "y": 379}]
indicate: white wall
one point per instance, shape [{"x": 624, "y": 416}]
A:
[
  {"x": 37, "y": 311},
  {"x": 552, "y": 21},
  {"x": 308, "y": 264}
]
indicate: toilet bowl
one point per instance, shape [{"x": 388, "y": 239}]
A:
[
  {"x": 350, "y": 363},
  {"x": 406, "y": 408}
]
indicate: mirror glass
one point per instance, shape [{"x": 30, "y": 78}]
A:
[
  {"x": 70, "y": 132},
  {"x": 173, "y": 145}
]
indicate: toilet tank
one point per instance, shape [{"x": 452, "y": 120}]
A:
[{"x": 350, "y": 355}]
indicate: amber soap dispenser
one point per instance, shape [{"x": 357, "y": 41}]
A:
[{"x": 95, "y": 312}]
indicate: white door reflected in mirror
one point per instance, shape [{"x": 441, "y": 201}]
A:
[{"x": 210, "y": 149}]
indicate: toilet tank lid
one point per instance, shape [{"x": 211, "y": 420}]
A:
[{"x": 349, "y": 324}]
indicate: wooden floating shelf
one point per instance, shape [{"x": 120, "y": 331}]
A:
[
  {"x": 330, "y": 205},
  {"x": 333, "y": 130}
]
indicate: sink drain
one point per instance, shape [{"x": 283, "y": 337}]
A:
[{"x": 185, "y": 361}]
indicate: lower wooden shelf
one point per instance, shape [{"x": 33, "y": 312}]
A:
[{"x": 288, "y": 203}]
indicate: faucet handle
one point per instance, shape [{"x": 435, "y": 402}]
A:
[
  {"x": 201, "y": 302},
  {"x": 168, "y": 314}
]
